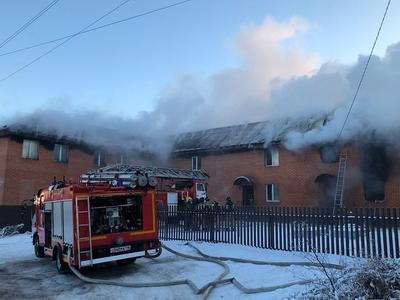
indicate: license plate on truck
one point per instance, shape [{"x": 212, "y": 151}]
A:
[{"x": 120, "y": 249}]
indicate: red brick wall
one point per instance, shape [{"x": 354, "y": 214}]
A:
[
  {"x": 295, "y": 176},
  {"x": 24, "y": 177}
]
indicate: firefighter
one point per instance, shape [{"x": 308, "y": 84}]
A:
[
  {"x": 215, "y": 205},
  {"x": 229, "y": 203},
  {"x": 189, "y": 199}
]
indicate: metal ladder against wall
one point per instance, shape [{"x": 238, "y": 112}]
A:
[
  {"x": 83, "y": 223},
  {"x": 340, "y": 180}
]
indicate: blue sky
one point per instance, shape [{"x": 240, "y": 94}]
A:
[{"x": 123, "y": 69}]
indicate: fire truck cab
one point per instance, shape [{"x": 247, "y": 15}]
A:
[{"x": 96, "y": 223}]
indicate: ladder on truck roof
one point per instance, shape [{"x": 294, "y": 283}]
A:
[
  {"x": 83, "y": 228},
  {"x": 338, "y": 202}
]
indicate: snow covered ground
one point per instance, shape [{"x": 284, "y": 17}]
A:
[{"x": 23, "y": 276}]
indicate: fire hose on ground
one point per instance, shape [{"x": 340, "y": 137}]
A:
[{"x": 208, "y": 287}]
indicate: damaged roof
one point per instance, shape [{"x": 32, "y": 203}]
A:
[
  {"x": 28, "y": 133},
  {"x": 244, "y": 136}
]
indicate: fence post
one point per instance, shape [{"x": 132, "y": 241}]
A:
[
  {"x": 396, "y": 232},
  {"x": 212, "y": 221},
  {"x": 384, "y": 233},
  {"x": 390, "y": 233}
]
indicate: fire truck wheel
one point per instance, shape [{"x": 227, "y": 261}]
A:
[
  {"x": 62, "y": 267},
  {"x": 39, "y": 250},
  {"x": 126, "y": 261}
]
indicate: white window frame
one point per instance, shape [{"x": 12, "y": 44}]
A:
[
  {"x": 196, "y": 166},
  {"x": 28, "y": 147},
  {"x": 274, "y": 193},
  {"x": 274, "y": 153},
  {"x": 61, "y": 149}
]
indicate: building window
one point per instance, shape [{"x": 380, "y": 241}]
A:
[
  {"x": 61, "y": 153},
  {"x": 196, "y": 163},
  {"x": 30, "y": 149},
  {"x": 99, "y": 159},
  {"x": 272, "y": 192},
  {"x": 272, "y": 156}
]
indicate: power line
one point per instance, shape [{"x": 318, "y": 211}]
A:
[
  {"x": 62, "y": 43},
  {"x": 94, "y": 28},
  {"x": 28, "y": 23},
  {"x": 364, "y": 71}
]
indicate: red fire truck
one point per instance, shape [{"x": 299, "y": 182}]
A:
[
  {"x": 173, "y": 185},
  {"x": 97, "y": 222}
]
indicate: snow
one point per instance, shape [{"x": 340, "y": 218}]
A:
[{"x": 23, "y": 276}]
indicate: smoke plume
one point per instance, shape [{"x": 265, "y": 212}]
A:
[
  {"x": 331, "y": 90},
  {"x": 276, "y": 81}
]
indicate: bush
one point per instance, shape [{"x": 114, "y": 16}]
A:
[{"x": 372, "y": 279}]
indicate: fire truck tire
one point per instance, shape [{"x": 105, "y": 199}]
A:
[
  {"x": 39, "y": 250},
  {"x": 62, "y": 267}
]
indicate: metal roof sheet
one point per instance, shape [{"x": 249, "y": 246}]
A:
[{"x": 244, "y": 135}]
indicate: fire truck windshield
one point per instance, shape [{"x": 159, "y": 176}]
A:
[
  {"x": 200, "y": 187},
  {"x": 116, "y": 214}
]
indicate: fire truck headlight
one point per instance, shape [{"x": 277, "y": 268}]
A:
[
  {"x": 152, "y": 181},
  {"x": 119, "y": 241}
]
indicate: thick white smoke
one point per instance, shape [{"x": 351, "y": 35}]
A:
[
  {"x": 375, "y": 112},
  {"x": 269, "y": 56},
  {"x": 275, "y": 81}
]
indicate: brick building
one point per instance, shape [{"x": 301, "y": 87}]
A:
[
  {"x": 29, "y": 161},
  {"x": 241, "y": 166}
]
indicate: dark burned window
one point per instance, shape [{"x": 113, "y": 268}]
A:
[
  {"x": 329, "y": 153},
  {"x": 116, "y": 214},
  {"x": 375, "y": 168},
  {"x": 196, "y": 163}
]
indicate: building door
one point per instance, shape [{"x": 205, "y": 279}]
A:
[{"x": 248, "y": 195}]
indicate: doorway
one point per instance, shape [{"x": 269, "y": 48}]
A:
[{"x": 248, "y": 195}]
